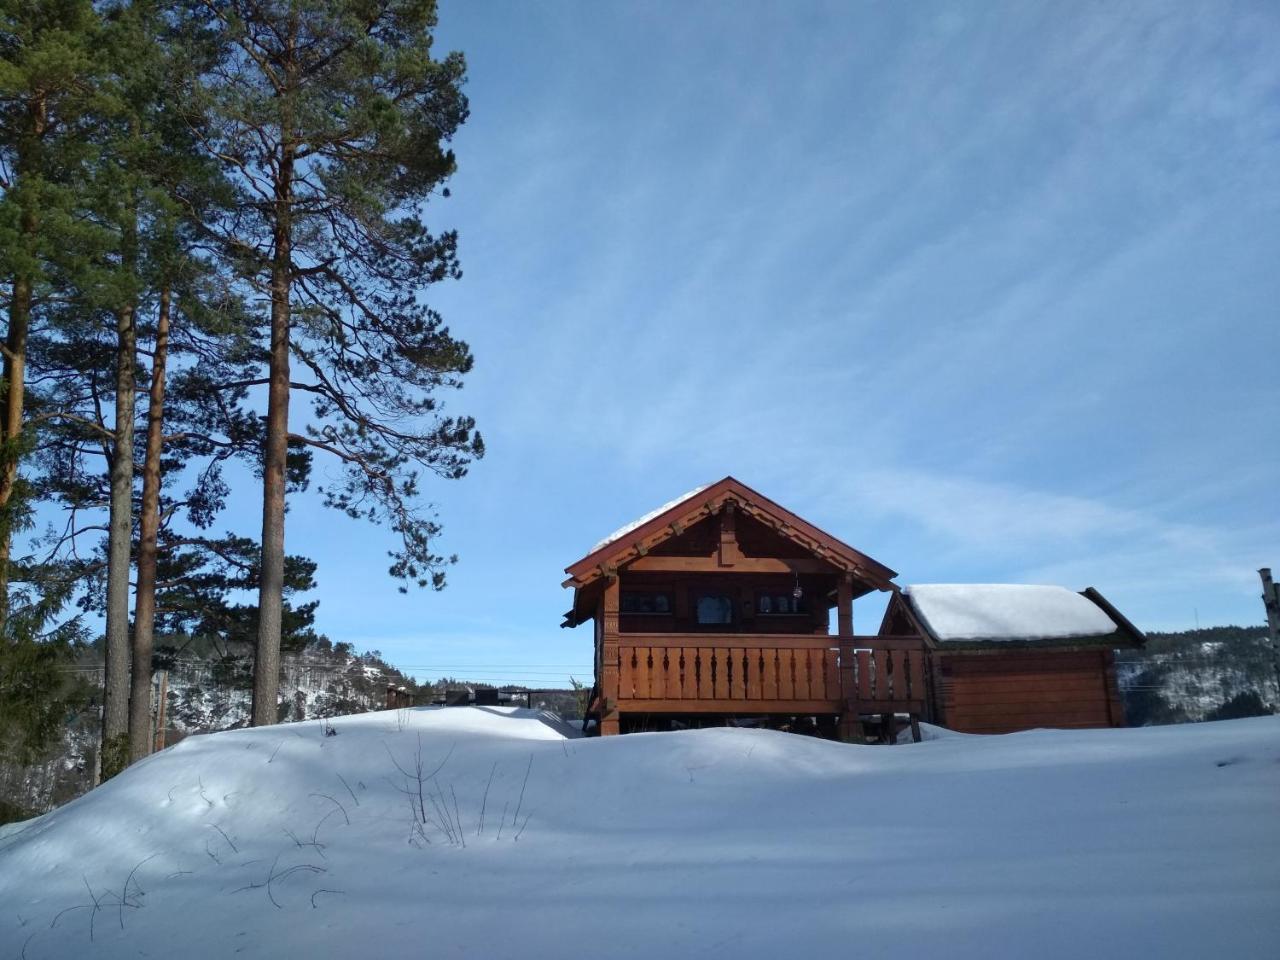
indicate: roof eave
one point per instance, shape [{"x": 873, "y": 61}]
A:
[{"x": 606, "y": 559}]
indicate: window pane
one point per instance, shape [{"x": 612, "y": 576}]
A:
[{"x": 714, "y": 608}]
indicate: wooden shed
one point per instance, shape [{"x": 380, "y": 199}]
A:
[
  {"x": 717, "y": 604},
  {"x": 1008, "y": 657}
]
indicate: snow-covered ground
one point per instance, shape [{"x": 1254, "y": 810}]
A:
[{"x": 275, "y": 842}]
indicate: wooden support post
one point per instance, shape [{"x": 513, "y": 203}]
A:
[
  {"x": 609, "y": 682},
  {"x": 844, "y": 605},
  {"x": 850, "y": 727},
  {"x": 1271, "y": 601}
]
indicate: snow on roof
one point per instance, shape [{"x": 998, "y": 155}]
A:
[
  {"x": 1007, "y": 611},
  {"x": 637, "y": 524}
]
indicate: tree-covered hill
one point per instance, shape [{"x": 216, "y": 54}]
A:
[
  {"x": 208, "y": 688},
  {"x": 1193, "y": 675}
]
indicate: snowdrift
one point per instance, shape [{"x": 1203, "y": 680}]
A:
[{"x": 315, "y": 840}]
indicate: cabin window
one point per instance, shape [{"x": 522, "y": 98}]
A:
[
  {"x": 714, "y": 608},
  {"x": 780, "y": 604},
  {"x": 645, "y": 601}
]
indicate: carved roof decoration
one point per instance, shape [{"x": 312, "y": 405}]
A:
[{"x": 635, "y": 541}]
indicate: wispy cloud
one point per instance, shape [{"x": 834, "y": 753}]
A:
[{"x": 986, "y": 289}]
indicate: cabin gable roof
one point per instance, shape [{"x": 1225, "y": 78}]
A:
[
  {"x": 637, "y": 538},
  {"x": 669, "y": 521}
]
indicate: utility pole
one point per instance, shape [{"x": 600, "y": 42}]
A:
[{"x": 1271, "y": 600}]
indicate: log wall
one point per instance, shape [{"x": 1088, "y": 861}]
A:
[{"x": 1001, "y": 692}]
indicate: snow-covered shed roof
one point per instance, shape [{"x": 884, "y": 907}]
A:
[{"x": 1015, "y": 612}]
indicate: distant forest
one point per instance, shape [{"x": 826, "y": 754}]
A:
[
  {"x": 209, "y": 687},
  {"x": 1207, "y": 674}
]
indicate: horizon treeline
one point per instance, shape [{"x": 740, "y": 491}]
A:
[{"x": 214, "y": 257}]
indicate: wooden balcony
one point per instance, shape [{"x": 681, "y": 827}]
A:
[{"x": 769, "y": 674}]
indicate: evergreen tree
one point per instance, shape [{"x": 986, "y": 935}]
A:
[
  {"x": 1247, "y": 703},
  {"x": 48, "y": 78},
  {"x": 332, "y": 116},
  {"x": 144, "y": 189}
]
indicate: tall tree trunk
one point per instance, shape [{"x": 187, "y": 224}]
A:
[
  {"x": 15, "y": 350},
  {"x": 115, "y": 701},
  {"x": 266, "y": 672},
  {"x": 15, "y": 342},
  {"x": 140, "y": 738}
]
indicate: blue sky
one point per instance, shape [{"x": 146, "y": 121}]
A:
[{"x": 988, "y": 290}]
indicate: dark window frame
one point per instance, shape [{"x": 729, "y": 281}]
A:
[
  {"x": 802, "y": 604},
  {"x": 668, "y": 595}
]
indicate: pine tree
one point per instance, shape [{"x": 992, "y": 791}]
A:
[
  {"x": 144, "y": 187},
  {"x": 332, "y": 116},
  {"x": 48, "y": 78}
]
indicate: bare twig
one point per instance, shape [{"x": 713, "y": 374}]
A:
[
  {"x": 457, "y": 816},
  {"x": 484, "y": 801},
  {"x": 515, "y": 817},
  {"x": 313, "y": 842},
  {"x": 234, "y": 848},
  {"x": 315, "y": 834},
  {"x": 428, "y": 776},
  {"x": 96, "y": 906},
  {"x": 273, "y": 876},
  {"x": 503, "y": 822},
  {"x": 318, "y": 892},
  {"x": 124, "y": 892},
  {"x": 522, "y": 826},
  {"x": 58, "y": 916},
  {"x": 336, "y": 804},
  {"x": 349, "y": 790}
]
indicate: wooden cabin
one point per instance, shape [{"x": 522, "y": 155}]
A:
[
  {"x": 1008, "y": 657},
  {"x": 717, "y": 606}
]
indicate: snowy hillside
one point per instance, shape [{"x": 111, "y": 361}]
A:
[
  {"x": 525, "y": 842},
  {"x": 205, "y": 693},
  {"x": 1185, "y": 676}
]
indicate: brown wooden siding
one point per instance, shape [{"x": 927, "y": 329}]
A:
[{"x": 1000, "y": 692}]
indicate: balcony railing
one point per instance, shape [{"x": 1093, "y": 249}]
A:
[{"x": 770, "y": 673}]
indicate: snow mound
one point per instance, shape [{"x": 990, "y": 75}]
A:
[
  {"x": 1007, "y": 611},
  {"x": 315, "y": 840}
]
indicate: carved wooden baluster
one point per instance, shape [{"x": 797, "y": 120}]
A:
[{"x": 769, "y": 674}]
